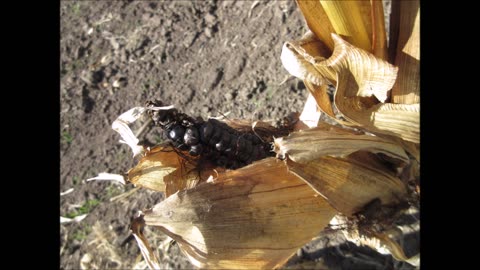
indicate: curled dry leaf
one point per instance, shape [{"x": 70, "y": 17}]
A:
[
  {"x": 347, "y": 185},
  {"x": 253, "y": 217},
  {"x": 301, "y": 56},
  {"x": 359, "y": 76},
  {"x": 164, "y": 170},
  {"x": 310, "y": 144},
  {"x": 360, "y": 72},
  {"x": 120, "y": 125}
]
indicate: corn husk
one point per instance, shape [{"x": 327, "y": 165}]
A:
[
  {"x": 327, "y": 140},
  {"x": 351, "y": 20},
  {"x": 317, "y": 20},
  {"x": 361, "y": 76},
  {"x": 164, "y": 170},
  {"x": 300, "y": 58},
  {"x": 255, "y": 217},
  {"x": 407, "y": 87},
  {"x": 347, "y": 185},
  {"x": 379, "y": 35}
]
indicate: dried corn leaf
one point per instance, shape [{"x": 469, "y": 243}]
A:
[
  {"x": 317, "y": 20},
  {"x": 120, "y": 125},
  {"x": 162, "y": 169},
  {"x": 360, "y": 74},
  {"x": 319, "y": 92},
  {"x": 254, "y": 217},
  {"x": 300, "y": 57},
  {"x": 348, "y": 185},
  {"x": 148, "y": 254},
  {"x": 379, "y": 35},
  {"x": 407, "y": 87},
  {"x": 351, "y": 20},
  {"x": 306, "y": 145}
]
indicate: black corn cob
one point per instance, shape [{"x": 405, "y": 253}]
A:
[{"x": 212, "y": 140}]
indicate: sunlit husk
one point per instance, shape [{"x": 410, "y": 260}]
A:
[
  {"x": 162, "y": 169},
  {"x": 300, "y": 58},
  {"x": 350, "y": 19},
  {"x": 407, "y": 87},
  {"x": 348, "y": 185},
  {"x": 379, "y": 35},
  {"x": 317, "y": 20},
  {"x": 360, "y": 74},
  {"x": 306, "y": 145},
  {"x": 254, "y": 217}
]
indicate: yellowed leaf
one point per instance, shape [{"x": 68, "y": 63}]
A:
[
  {"x": 317, "y": 20},
  {"x": 255, "y": 217},
  {"x": 347, "y": 185},
  {"x": 351, "y": 20},
  {"x": 164, "y": 170},
  {"x": 407, "y": 87},
  {"x": 306, "y": 145}
]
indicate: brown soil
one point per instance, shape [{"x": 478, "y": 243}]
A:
[{"x": 206, "y": 58}]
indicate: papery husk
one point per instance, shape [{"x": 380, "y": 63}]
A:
[
  {"x": 407, "y": 87},
  {"x": 360, "y": 74},
  {"x": 379, "y": 35},
  {"x": 347, "y": 185},
  {"x": 300, "y": 58},
  {"x": 163, "y": 169},
  {"x": 310, "y": 144},
  {"x": 255, "y": 217},
  {"x": 148, "y": 254},
  {"x": 317, "y": 20},
  {"x": 351, "y": 20}
]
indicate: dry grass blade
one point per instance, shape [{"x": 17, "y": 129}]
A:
[
  {"x": 254, "y": 217},
  {"x": 307, "y": 145},
  {"x": 407, "y": 87},
  {"x": 347, "y": 185}
]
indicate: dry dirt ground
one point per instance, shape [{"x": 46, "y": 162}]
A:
[{"x": 206, "y": 58}]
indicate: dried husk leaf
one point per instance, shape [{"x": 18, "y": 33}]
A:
[
  {"x": 348, "y": 185},
  {"x": 306, "y": 145},
  {"x": 351, "y": 20},
  {"x": 360, "y": 74},
  {"x": 317, "y": 21},
  {"x": 379, "y": 35},
  {"x": 163, "y": 170},
  {"x": 148, "y": 254},
  {"x": 300, "y": 57},
  {"x": 407, "y": 87},
  {"x": 255, "y": 217}
]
